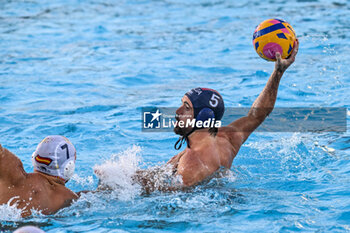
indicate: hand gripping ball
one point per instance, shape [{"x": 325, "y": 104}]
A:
[{"x": 274, "y": 35}]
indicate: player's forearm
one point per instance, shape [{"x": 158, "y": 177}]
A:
[{"x": 265, "y": 102}]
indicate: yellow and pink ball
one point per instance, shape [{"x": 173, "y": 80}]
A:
[{"x": 272, "y": 36}]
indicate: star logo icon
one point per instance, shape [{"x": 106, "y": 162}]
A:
[{"x": 156, "y": 115}]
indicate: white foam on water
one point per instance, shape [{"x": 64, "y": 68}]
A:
[
  {"x": 289, "y": 144},
  {"x": 117, "y": 173},
  {"x": 84, "y": 181},
  {"x": 296, "y": 156},
  {"x": 10, "y": 211},
  {"x": 229, "y": 175},
  {"x": 36, "y": 214},
  {"x": 283, "y": 145},
  {"x": 290, "y": 152}
]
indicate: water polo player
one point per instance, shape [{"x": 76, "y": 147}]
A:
[
  {"x": 209, "y": 149},
  {"x": 44, "y": 190}
]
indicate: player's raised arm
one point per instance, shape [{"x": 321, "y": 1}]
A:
[
  {"x": 265, "y": 102},
  {"x": 11, "y": 167}
]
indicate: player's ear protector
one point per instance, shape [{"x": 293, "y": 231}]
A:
[
  {"x": 68, "y": 169},
  {"x": 205, "y": 114}
]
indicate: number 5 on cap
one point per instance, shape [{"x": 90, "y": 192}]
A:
[{"x": 214, "y": 100}]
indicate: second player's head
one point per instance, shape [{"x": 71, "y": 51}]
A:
[{"x": 55, "y": 156}]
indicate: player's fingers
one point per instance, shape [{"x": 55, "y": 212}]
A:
[
  {"x": 296, "y": 48},
  {"x": 278, "y": 57},
  {"x": 291, "y": 58}
]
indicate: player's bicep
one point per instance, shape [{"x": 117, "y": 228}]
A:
[
  {"x": 239, "y": 130},
  {"x": 11, "y": 167}
]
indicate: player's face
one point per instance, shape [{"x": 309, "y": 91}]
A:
[{"x": 184, "y": 113}]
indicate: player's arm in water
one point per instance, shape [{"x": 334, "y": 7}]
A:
[
  {"x": 263, "y": 105},
  {"x": 147, "y": 178},
  {"x": 11, "y": 167}
]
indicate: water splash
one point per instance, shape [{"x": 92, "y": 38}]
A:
[
  {"x": 283, "y": 145},
  {"x": 10, "y": 211},
  {"x": 117, "y": 173},
  {"x": 295, "y": 156},
  {"x": 122, "y": 174},
  {"x": 84, "y": 181}
]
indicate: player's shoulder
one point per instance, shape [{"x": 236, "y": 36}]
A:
[
  {"x": 50, "y": 194},
  {"x": 229, "y": 133},
  {"x": 65, "y": 192},
  {"x": 36, "y": 182},
  {"x": 51, "y": 188}
]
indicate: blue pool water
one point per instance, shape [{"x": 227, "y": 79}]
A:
[{"x": 84, "y": 69}]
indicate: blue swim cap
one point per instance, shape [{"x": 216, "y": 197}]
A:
[{"x": 207, "y": 103}]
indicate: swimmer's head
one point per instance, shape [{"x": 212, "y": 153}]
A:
[
  {"x": 200, "y": 104},
  {"x": 55, "y": 156}
]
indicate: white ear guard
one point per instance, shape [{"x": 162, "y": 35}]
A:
[{"x": 68, "y": 169}]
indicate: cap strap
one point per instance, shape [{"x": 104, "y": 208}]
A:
[{"x": 182, "y": 140}]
